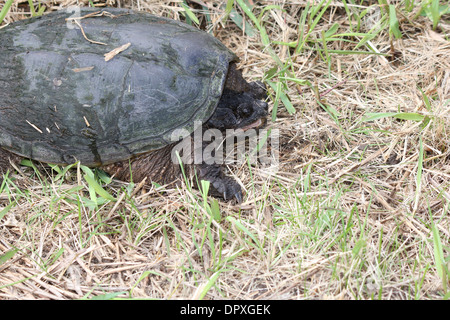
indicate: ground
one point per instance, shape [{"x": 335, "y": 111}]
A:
[{"x": 357, "y": 207}]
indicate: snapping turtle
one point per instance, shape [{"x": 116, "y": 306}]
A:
[{"x": 61, "y": 102}]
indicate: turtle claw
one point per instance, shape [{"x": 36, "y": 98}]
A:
[
  {"x": 238, "y": 197},
  {"x": 227, "y": 188},
  {"x": 221, "y": 185},
  {"x": 232, "y": 190}
]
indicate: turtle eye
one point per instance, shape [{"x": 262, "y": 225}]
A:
[{"x": 244, "y": 110}]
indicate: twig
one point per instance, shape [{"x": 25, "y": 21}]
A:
[
  {"x": 116, "y": 51},
  {"x": 332, "y": 88},
  {"x": 84, "y": 35}
]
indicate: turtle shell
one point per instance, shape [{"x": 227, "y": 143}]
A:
[{"x": 60, "y": 101}]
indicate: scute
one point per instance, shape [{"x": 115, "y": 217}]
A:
[{"x": 61, "y": 102}]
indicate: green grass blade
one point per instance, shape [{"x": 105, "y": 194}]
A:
[
  {"x": 435, "y": 15},
  {"x": 409, "y": 116},
  {"x": 301, "y": 30},
  {"x": 41, "y": 10},
  {"x": 425, "y": 100},
  {"x": 209, "y": 284},
  {"x": 190, "y": 14},
  {"x": 331, "y": 31},
  {"x": 419, "y": 176},
  {"x": 33, "y": 12},
  {"x": 228, "y": 9},
  {"x": 5, "y": 9},
  {"x": 61, "y": 173},
  {"x": 277, "y": 88},
  {"x": 325, "y": 50},
  {"x": 262, "y": 31},
  {"x": 8, "y": 255},
  {"x": 242, "y": 228},
  {"x": 276, "y": 102},
  {"x": 398, "y": 115},
  {"x": 393, "y": 22},
  {"x": 439, "y": 257},
  {"x": 6, "y": 209},
  {"x": 215, "y": 210},
  {"x": 108, "y": 296},
  {"x": 144, "y": 275},
  {"x": 92, "y": 182},
  {"x": 315, "y": 11},
  {"x": 242, "y": 24}
]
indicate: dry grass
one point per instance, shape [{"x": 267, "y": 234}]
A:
[{"x": 348, "y": 214}]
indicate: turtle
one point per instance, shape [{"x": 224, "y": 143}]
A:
[{"x": 62, "y": 102}]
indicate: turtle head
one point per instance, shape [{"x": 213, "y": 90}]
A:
[{"x": 240, "y": 110}]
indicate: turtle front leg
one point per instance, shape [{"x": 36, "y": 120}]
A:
[
  {"x": 157, "y": 166},
  {"x": 220, "y": 184}
]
